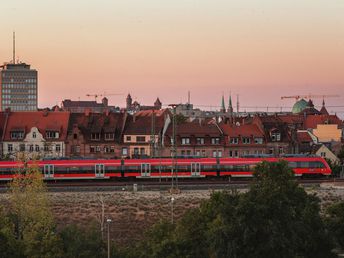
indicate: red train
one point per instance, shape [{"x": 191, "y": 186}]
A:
[{"x": 156, "y": 168}]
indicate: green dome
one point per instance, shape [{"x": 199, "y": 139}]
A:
[{"x": 299, "y": 106}]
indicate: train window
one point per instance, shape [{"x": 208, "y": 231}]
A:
[
  {"x": 237, "y": 168},
  {"x": 303, "y": 164},
  {"x": 112, "y": 168},
  {"x": 316, "y": 164},
  {"x": 132, "y": 168},
  {"x": 183, "y": 168},
  {"x": 209, "y": 168},
  {"x": 6, "y": 171},
  {"x": 292, "y": 164}
]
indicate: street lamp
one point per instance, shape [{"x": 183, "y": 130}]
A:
[
  {"x": 174, "y": 148},
  {"x": 108, "y": 221},
  {"x": 172, "y": 213}
]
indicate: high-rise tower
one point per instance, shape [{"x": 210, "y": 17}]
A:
[{"x": 18, "y": 86}]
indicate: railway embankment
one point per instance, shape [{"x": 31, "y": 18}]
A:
[{"x": 132, "y": 213}]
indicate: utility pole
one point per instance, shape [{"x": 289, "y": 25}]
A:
[
  {"x": 174, "y": 150},
  {"x": 152, "y": 140},
  {"x": 108, "y": 221}
]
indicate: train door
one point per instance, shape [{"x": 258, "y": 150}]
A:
[
  {"x": 195, "y": 169},
  {"x": 99, "y": 170},
  {"x": 48, "y": 171},
  {"x": 145, "y": 169}
]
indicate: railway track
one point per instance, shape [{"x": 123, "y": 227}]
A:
[{"x": 156, "y": 185}]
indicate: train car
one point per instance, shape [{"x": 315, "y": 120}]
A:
[
  {"x": 160, "y": 168},
  {"x": 244, "y": 167}
]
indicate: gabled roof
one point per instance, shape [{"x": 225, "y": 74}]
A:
[
  {"x": 246, "y": 130},
  {"x": 303, "y": 137},
  {"x": 197, "y": 127},
  {"x": 97, "y": 123},
  {"x": 311, "y": 121},
  {"x": 42, "y": 120},
  {"x": 3, "y": 122},
  {"x": 141, "y": 122}
]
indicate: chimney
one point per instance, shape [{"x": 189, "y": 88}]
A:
[
  {"x": 87, "y": 112},
  {"x": 45, "y": 112},
  {"x": 106, "y": 112}
]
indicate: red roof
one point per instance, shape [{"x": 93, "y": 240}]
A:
[
  {"x": 42, "y": 120},
  {"x": 246, "y": 130},
  {"x": 304, "y": 137},
  {"x": 196, "y": 127},
  {"x": 312, "y": 121}
]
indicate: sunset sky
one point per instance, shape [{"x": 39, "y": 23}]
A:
[{"x": 260, "y": 49}]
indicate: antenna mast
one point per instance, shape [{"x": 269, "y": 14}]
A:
[{"x": 14, "y": 47}]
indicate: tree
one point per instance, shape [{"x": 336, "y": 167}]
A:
[
  {"x": 275, "y": 218},
  {"x": 83, "y": 242},
  {"x": 335, "y": 223},
  {"x": 31, "y": 214}
]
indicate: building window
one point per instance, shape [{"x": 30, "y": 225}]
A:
[
  {"x": 246, "y": 140},
  {"x": 198, "y": 153},
  {"x": 34, "y": 135},
  {"x": 22, "y": 147},
  {"x": 124, "y": 151},
  {"x": 185, "y": 141},
  {"x": 234, "y": 140},
  {"x": 214, "y": 153},
  {"x": 323, "y": 154},
  {"x": 92, "y": 149},
  {"x": 106, "y": 149},
  {"x": 52, "y": 135},
  {"x": 58, "y": 147},
  {"x": 215, "y": 140},
  {"x": 31, "y": 148},
  {"x": 75, "y": 149},
  {"x": 109, "y": 136},
  {"x": 16, "y": 135},
  {"x": 98, "y": 149},
  {"x": 112, "y": 148},
  {"x": 75, "y": 136},
  {"x": 10, "y": 147},
  {"x": 275, "y": 137},
  {"x": 128, "y": 138},
  {"x": 219, "y": 154},
  {"x": 203, "y": 153},
  {"x": 280, "y": 149},
  {"x": 140, "y": 139},
  {"x": 142, "y": 151},
  {"x": 200, "y": 140},
  {"x": 258, "y": 140},
  {"x": 95, "y": 136},
  {"x": 188, "y": 152},
  {"x": 37, "y": 148},
  {"x": 233, "y": 153},
  {"x": 136, "y": 151}
]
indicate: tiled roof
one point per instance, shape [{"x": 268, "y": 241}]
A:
[
  {"x": 242, "y": 130},
  {"x": 3, "y": 120},
  {"x": 97, "y": 123},
  {"x": 42, "y": 120},
  {"x": 197, "y": 128},
  {"x": 304, "y": 137},
  {"x": 312, "y": 121}
]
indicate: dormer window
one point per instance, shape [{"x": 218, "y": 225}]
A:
[
  {"x": 275, "y": 136},
  {"x": 258, "y": 140},
  {"x": 246, "y": 140},
  {"x": 109, "y": 136},
  {"x": 185, "y": 141},
  {"x": 200, "y": 140},
  {"x": 34, "y": 135},
  {"x": 215, "y": 140},
  {"x": 17, "y": 135},
  {"x": 95, "y": 136},
  {"x": 234, "y": 140},
  {"x": 52, "y": 135}
]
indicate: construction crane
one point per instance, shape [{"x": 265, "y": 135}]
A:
[
  {"x": 309, "y": 96},
  {"x": 101, "y": 95}
]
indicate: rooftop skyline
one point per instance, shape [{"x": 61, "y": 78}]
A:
[{"x": 260, "y": 50}]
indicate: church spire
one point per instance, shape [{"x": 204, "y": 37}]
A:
[{"x": 223, "y": 107}]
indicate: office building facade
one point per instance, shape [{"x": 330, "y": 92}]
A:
[{"x": 18, "y": 84}]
